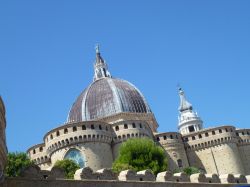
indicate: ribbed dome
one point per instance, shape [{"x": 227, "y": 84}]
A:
[{"x": 105, "y": 97}]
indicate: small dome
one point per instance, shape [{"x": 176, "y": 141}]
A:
[{"x": 105, "y": 97}]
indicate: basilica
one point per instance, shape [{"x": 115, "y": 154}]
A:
[{"x": 111, "y": 110}]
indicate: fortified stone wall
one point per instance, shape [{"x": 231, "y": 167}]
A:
[
  {"x": 214, "y": 150},
  {"x": 38, "y": 154},
  {"x": 244, "y": 148},
  {"x": 33, "y": 176},
  {"x": 89, "y": 183},
  {"x": 147, "y": 117},
  {"x": 97, "y": 155},
  {"x": 90, "y": 138},
  {"x": 174, "y": 147},
  {"x": 3, "y": 148},
  {"x": 97, "y": 141}
]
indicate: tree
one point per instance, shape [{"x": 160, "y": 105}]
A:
[
  {"x": 69, "y": 166},
  {"x": 140, "y": 154},
  {"x": 16, "y": 162}
]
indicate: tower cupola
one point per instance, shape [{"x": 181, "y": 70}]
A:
[
  {"x": 100, "y": 66},
  {"x": 188, "y": 120}
]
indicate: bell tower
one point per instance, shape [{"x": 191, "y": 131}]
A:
[{"x": 188, "y": 120}]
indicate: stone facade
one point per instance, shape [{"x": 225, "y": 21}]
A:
[
  {"x": 97, "y": 141},
  {"x": 3, "y": 148},
  {"x": 110, "y": 111}
]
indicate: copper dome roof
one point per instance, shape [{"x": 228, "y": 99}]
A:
[{"x": 105, "y": 97}]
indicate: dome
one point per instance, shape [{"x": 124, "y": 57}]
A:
[{"x": 105, "y": 97}]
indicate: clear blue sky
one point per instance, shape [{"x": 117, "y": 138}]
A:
[{"x": 47, "y": 54}]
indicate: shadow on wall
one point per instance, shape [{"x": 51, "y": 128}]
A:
[{"x": 195, "y": 161}]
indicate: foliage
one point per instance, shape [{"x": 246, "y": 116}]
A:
[
  {"x": 69, "y": 166},
  {"x": 140, "y": 154},
  {"x": 188, "y": 170},
  {"x": 16, "y": 162},
  {"x": 191, "y": 170}
]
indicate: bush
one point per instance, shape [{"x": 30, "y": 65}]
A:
[
  {"x": 140, "y": 154},
  {"x": 15, "y": 163},
  {"x": 69, "y": 166},
  {"x": 191, "y": 170},
  {"x": 188, "y": 170}
]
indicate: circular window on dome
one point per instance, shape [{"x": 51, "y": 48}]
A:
[{"x": 75, "y": 155}]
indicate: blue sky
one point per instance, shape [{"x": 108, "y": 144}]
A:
[{"x": 47, "y": 54}]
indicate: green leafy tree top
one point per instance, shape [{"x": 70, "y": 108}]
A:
[
  {"x": 69, "y": 166},
  {"x": 140, "y": 154},
  {"x": 16, "y": 162}
]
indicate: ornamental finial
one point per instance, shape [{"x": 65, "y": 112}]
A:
[{"x": 97, "y": 48}]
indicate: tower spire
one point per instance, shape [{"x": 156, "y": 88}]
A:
[
  {"x": 189, "y": 121},
  {"x": 100, "y": 66},
  {"x": 184, "y": 104}
]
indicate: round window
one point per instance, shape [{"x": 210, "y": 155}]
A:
[{"x": 75, "y": 155}]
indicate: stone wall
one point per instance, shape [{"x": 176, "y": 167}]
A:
[
  {"x": 174, "y": 147},
  {"x": 67, "y": 183},
  {"x": 3, "y": 148},
  {"x": 33, "y": 176},
  {"x": 97, "y": 141},
  {"x": 244, "y": 148},
  {"x": 97, "y": 155},
  {"x": 214, "y": 150}
]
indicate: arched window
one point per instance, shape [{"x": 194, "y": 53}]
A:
[
  {"x": 133, "y": 125},
  {"x": 117, "y": 128},
  {"x": 51, "y": 136},
  {"x": 65, "y": 131},
  {"x": 74, "y": 129},
  {"x": 75, "y": 155},
  {"x": 100, "y": 127},
  {"x": 125, "y": 126},
  {"x": 67, "y": 141},
  {"x": 57, "y": 133},
  {"x": 92, "y": 126},
  {"x": 83, "y": 127}
]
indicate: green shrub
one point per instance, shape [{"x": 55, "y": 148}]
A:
[
  {"x": 69, "y": 166},
  {"x": 188, "y": 170},
  {"x": 140, "y": 154},
  {"x": 191, "y": 170}
]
